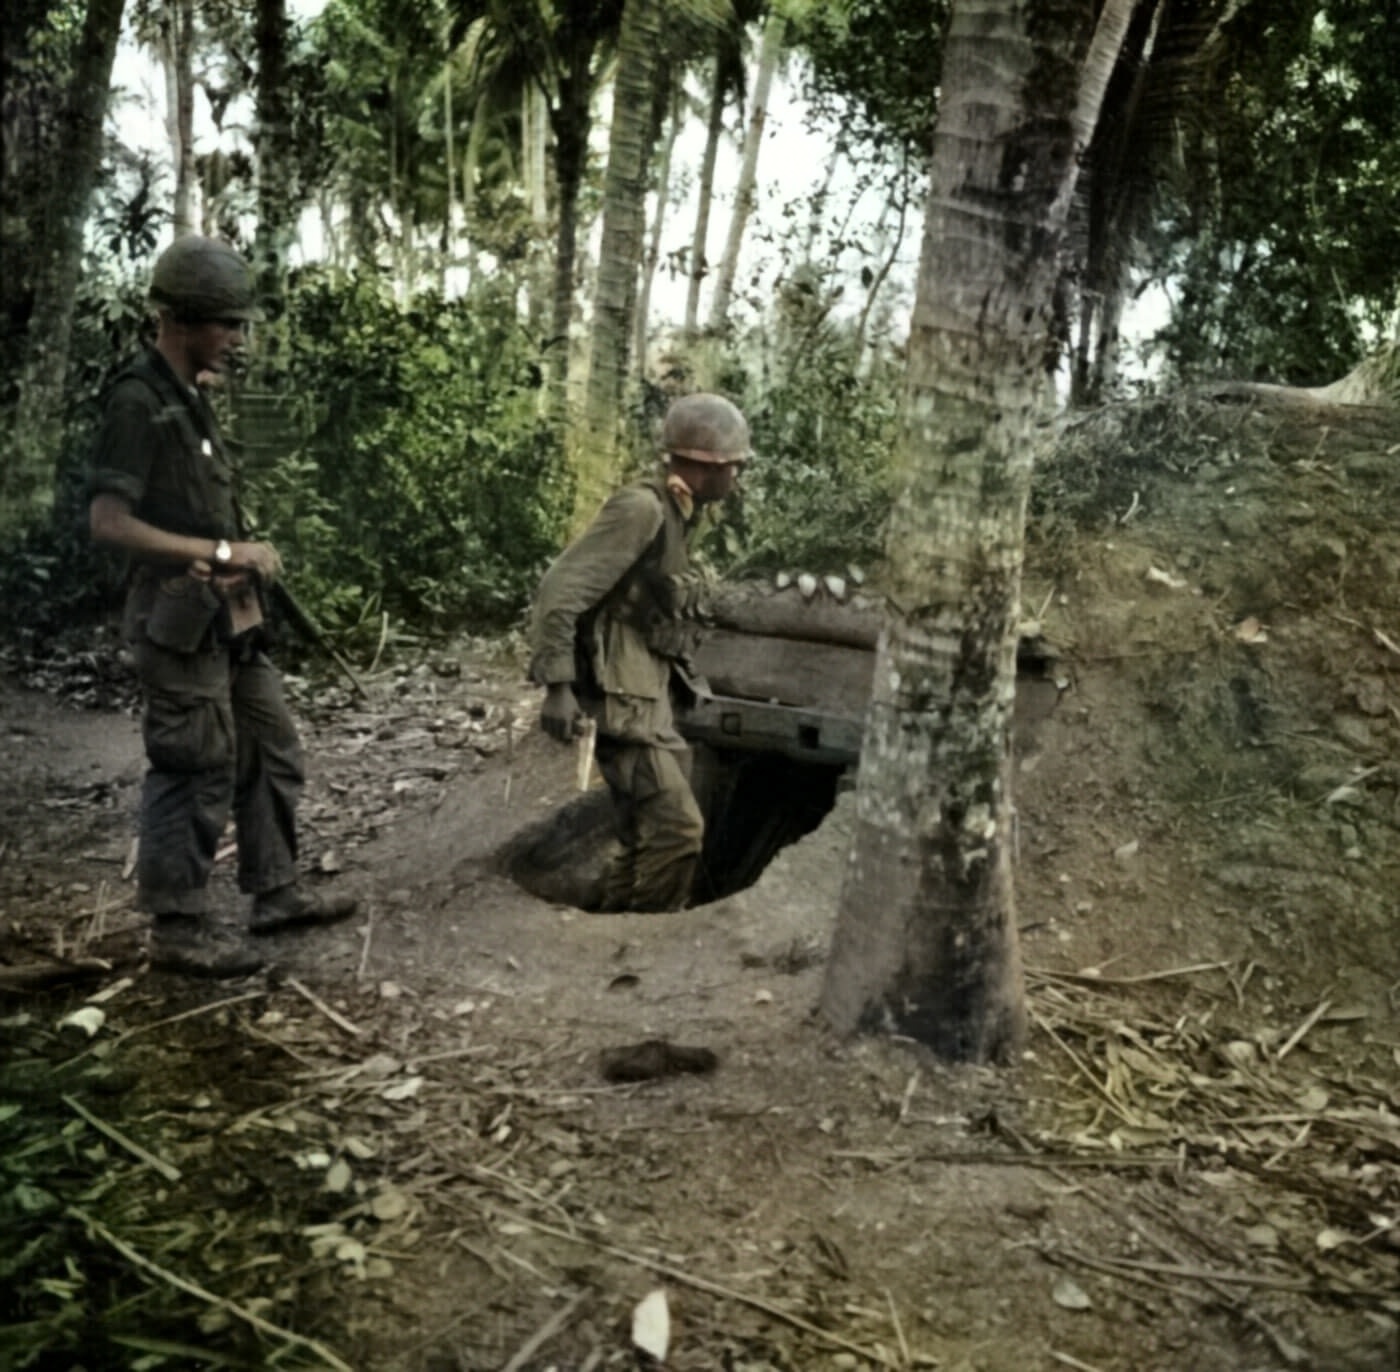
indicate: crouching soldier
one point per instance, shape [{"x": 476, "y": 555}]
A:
[{"x": 609, "y": 638}]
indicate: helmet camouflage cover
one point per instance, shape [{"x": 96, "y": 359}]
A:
[
  {"x": 706, "y": 428},
  {"x": 204, "y": 278}
]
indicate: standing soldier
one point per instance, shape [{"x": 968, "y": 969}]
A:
[
  {"x": 217, "y": 732},
  {"x": 608, "y": 637}
]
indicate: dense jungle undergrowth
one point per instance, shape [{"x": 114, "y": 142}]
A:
[{"x": 402, "y": 1148}]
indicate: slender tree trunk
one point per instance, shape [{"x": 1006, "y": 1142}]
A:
[
  {"x": 26, "y": 477},
  {"x": 177, "y": 58},
  {"x": 746, "y": 192},
  {"x": 669, "y": 93},
  {"x": 279, "y": 196},
  {"x": 534, "y": 130},
  {"x": 571, "y": 120},
  {"x": 705, "y": 191},
  {"x": 925, "y": 943},
  {"x": 620, "y": 256},
  {"x": 879, "y": 277},
  {"x": 449, "y": 233}
]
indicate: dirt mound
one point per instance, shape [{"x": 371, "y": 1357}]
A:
[{"x": 404, "y": 1151}]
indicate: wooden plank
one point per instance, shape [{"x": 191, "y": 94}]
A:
[{"x": 825, "y": 676}]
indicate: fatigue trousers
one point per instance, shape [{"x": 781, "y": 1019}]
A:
[
  {"x": 658, "y": 825},
  {"x": 218, "y": 737}
]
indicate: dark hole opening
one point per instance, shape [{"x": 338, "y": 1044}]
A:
[{"x": 754, "y": 804}]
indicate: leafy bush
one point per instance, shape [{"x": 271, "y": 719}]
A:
[
  {"x": 426, "y": 481},
  {"x": 818, "y": 491}
]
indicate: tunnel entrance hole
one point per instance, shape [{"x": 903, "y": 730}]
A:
[{"x": 754, "y": 803}]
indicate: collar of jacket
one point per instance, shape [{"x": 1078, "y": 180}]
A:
[{"x": 681, "y": 494}]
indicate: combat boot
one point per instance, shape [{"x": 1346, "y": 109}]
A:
[
  {"x": 289, "y": 907},
  {"x": 192, "y": 946}
]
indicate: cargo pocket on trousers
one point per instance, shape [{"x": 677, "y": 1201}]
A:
[
  {"x": 187, "y": 733},
  {"x": 182, "y": 614}
]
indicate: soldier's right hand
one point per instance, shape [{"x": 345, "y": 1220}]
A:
[
  {"x": 560, "y": 716},
  {"x": 262, "y": 559}
]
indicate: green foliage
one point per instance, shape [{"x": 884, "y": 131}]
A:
[
  {"x": 876, "y": 69},
  {"x": 1282, "y": 252},
  {"x": 427, "y": 483},
  {"x": 817, "y": 493},
  {"x": 50, "y": 573}
]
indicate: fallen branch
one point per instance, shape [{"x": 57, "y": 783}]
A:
[
  {"x": 43, "y": 976},
  {"x": 334, "y": 1016},
  {"x": 199, "y": 1293},
  {"x": 1297, "y": 1036},
  {"x": 1262, "y": 1280},
  {"x": 1089, "y": 979},
  {"x": 543, "y": 1334},
  {"x": 167, "y": 1170},
  {"x": 877, "y": 1356}
]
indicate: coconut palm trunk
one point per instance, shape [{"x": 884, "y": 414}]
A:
[
  {"x": 177, "y": 60},
  {"x": 620, "y": 254},
  {"x": 746, "y": 193},
  {"x": 925, "y": 943},
  {"x": 705, "y": 189},
  {"x": 669, "y": 108}
]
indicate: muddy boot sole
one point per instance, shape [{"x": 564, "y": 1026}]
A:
[
  {"x": 202, "y": 952},
  {"x": 300, "y": 912}
]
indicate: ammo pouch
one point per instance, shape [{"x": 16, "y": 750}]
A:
[{"x": 182, "y": 613}]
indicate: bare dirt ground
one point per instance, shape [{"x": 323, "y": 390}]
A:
[{"x": 397, "y": 1149}]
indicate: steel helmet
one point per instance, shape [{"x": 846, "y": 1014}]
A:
[
  {"x": 706, "y": 428},
  {"x": 204, "y": 278}
]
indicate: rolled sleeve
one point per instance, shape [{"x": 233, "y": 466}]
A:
[{"x": 125, "y": 447}]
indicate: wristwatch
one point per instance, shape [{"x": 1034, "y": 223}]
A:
[{"x": 223, "y": 552}]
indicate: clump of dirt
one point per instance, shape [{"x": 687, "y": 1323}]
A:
[{"x": 403, "y": 1149}]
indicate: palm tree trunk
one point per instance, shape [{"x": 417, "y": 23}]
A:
[
  {"x": 278, "y": 193},
  {"x": 177, "y": 58},
  {"x": 620, "y": 255},
  {"x": 926, "y": 942},
  {"x": 26, "y": 477},
  {"x": 672, "y": 89},
  {"x": 705, "y": 191},
  {"x": 745, "y": 192},
  {"x": 571, "y": 120}
]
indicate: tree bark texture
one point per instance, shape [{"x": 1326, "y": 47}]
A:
[
  {"x": 26, "y": 478},
  {"x": 620, "y": 254},
  {"x": 177, "y": 58},
  {"x": 571, "y": 121},
  {"x": 279, "y": 195},
  {"x": 925, "y": 943},
  {"x": 668, "y": 108},
  {"x": 705, "y": 191},
  {"x": 745, "y": 192}
]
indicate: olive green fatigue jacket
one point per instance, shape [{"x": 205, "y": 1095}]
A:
[{"x": 605, "y": 616}]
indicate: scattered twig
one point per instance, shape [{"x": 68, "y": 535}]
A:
[
  {"x": 878, "y": 1356},
  {"x": 544, "y": 1333},
  {"x": 40, "y": 976},
  {"x": 898, "y": 1329},
  {"x": 167, "y": 1170},
  {"x": 1088, "y": 979},
  {"x": 364, "y": 947},
  {"x": 187, "y": 1014},
  {"x": 1070, "y": 1361},
  {"x": 334, "y": 1016},
  {"x": 199, "y": 1293},
  {"x": 1109, "y": 1162},
  {"x": 1262, "y": 1280},
  {"x": 1296, "y": 1037},
  {"x": 1082, "y": 1066}
]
